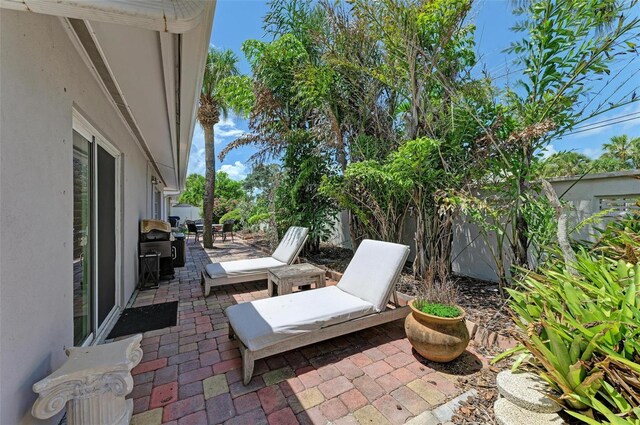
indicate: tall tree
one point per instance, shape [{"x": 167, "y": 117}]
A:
[
  {"x": 622, "y": 147},
  {"x": 567, "y": 46},
  {"x": 563, "y": 164},
  {"x": 223, "y": 90},
  {"x": 194, "y": 190}
]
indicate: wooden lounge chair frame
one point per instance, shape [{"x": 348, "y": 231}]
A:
[
  {"x": 388, "y": 315},
  {"x": 211, "y": 282}
]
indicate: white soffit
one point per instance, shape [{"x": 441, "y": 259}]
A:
[
  {"x": 134, "y": 58},
  {"x": 193, "y": 54},
  {"x": 149, "y": 55},
  {"x": 175, "y": 16}
]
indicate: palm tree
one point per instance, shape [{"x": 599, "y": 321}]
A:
[
  {"x": 564, "y": 163},
  {"x": 620, "y": 147},
  {"x": 221, "y": 64},
  {"x": 635, "y": 154}
]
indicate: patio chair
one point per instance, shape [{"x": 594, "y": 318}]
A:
[
  {"x": 192, "y": 229},
  {"x": 274, "y": 325},
  {"x": 228, "y": 272},
  {"x": 227, "y": 227},
  {"x": 174, "y": 220}
]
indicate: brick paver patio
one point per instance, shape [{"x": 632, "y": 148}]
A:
[{"x": 190, "y": 373}]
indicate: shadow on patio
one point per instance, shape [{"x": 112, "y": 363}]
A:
[{"x": 190, "y": 373}]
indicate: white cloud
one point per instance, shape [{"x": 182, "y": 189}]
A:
[
  {"x": 196, "y": 156},
  {"x": 226, "y": 129},
  {"x": 592, "y": 153},
  {"x": 548, "y": 151},
  {"x": 589, "y": 132},
  {"x": 237, "y": 171}
]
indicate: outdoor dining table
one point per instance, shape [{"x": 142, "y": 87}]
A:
[{"x": 214, "y": 227}]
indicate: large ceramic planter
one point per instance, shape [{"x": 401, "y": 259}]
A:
[{"x": 438, "y": 339}]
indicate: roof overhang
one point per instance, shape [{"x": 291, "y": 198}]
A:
[
  {"x": 174, "y": 16},
  {"x": 148, "y": 56}
]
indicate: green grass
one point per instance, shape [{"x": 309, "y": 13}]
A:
[{"x": 440, "y": 310}]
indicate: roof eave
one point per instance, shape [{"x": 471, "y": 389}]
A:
[{"x": 174, "y": 16}]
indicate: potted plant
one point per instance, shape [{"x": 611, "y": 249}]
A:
[{"x": 436, "y": 326}]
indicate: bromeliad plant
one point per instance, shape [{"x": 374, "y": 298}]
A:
[{"x": 581, "y": 331}]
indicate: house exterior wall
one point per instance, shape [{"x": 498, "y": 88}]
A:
[{"x": 42, "y": 79}]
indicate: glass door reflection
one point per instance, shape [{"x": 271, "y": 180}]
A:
[{"x": 82, "y": 238}]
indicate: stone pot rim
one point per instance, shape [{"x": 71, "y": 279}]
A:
[{"x": 437, "y": 319}]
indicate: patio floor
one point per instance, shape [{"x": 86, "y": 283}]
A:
[{"x": 190, "y": 373}]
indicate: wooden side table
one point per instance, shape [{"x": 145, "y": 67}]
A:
[{"x": 284, "y": 278}]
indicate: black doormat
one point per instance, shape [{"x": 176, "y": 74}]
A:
[{"x": 147, "y": 318}]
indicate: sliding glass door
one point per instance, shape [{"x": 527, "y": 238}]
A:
[
  {"x": 106, "y": 232},
  {"x": 96, "y": 240},
  {"x": 82, "y": 238}
]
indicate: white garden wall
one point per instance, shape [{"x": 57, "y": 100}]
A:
[
  {"x": 185, "y": 212},
  {"x": 586, "y": 197}
]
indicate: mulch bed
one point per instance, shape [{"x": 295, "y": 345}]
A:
[
  {"x": 478, "y": 410},
  {"x": 332, "y": 257}
]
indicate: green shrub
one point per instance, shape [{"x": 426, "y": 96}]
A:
[
  {"x": 439, "y": 310},
  {"x": 582, "y": 331},
  {"x": 235, "y": 215},
  {"x": 258, "y": 218}
]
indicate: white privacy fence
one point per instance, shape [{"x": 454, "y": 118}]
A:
[
  {"x": 614, "y": 192},
  {"x": 185, "y": 212}
]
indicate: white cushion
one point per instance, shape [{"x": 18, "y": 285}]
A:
[
  {"x": 290, "y": 244},
  {"x": 263, "y": 323},
  {"x": 373, "y": 270},
  {"x": 241, "y": 267}
]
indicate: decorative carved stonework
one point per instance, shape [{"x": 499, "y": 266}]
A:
[{"x": 92, "y": 383}]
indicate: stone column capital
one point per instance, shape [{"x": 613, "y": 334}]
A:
[{"x": 88, "y": 372}]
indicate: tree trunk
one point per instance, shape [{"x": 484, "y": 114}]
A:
[
  {"x": 273, "y": 225},
  {"x": 210, "y": 188},
  {"x": 521, "y": 238},
  {"x": 570, "y": 259}
]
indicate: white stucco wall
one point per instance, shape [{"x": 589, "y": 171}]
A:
[
  {"x": 42, "y": 78},
  {"x": 185, "y": 213},
  {"x": 472, "y": 257}
]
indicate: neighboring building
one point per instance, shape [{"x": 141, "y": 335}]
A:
[{"x": 97, "y": 111}]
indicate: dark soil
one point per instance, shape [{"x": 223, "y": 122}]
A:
[
  {"x": 258, "y": 239},
  {"x": 479, "y": 409},
  {"x": 332, "y": 257}
]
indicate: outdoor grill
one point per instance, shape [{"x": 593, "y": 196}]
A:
[{"x": 155, "y": 236}]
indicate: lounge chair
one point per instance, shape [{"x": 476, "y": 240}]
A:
[
  {"x": 274, "y": 325},
  {"x": 228, "y": 272}
]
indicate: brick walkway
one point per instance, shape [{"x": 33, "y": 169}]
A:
[{"x": 190, "y": 373}]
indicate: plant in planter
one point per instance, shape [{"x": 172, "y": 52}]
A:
[
  {"x": 580, "y": 326},
  {"x": 436, "y": 326}
]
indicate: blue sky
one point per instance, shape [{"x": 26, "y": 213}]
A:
[{"x": 238, "y": 20}]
